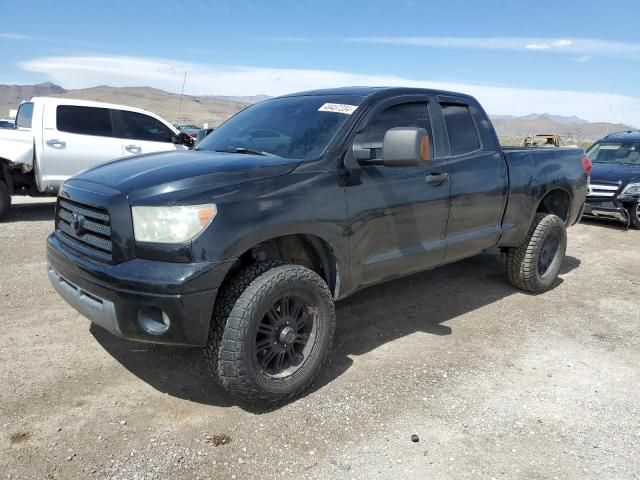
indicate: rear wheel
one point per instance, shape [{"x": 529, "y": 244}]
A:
[
  {"x": 5, "y": 198},
  {"x": 271, "y": 332},
  {"x": 535, "y": 264}
]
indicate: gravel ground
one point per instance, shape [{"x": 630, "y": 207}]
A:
[{"x": 494, "y": 382}]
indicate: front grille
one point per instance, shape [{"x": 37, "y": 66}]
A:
[
  {"x": 602, "y": 190},
  {"x": 84, "y": 227}
]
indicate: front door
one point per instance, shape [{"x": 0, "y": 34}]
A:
[
  {"x": 142, "y": 133},
  {"x": 397, "y": 219}
]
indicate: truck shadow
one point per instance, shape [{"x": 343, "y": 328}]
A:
[
  {"x": 373, "y": 317},
  {"x": 604, "y": 223},
  {"x": 20, "y": 212}
]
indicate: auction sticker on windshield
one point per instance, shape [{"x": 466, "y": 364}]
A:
[{"x": 338, "y": 108}]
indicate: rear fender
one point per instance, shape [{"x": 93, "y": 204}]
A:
[{"x": 18, "y": 148}]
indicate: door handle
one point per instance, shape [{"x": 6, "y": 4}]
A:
[
  {"x": 55, "y": 143},
  {"x": 133, "y": 148},
  {"x": 437, "y": 178}
]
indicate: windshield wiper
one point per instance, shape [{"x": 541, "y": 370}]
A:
[{"x": 247, "y": 151}]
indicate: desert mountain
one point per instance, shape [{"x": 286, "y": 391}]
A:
[
  {"x": 199, "y": 110},
  {"x": 574, "y": 127},
  {"x": 12, "y": 95},
  {"x": 214, "y": 109}
]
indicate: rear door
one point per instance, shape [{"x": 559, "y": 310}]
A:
[
  {"x": 397, "y": 218},
  {"x": 75, "y": 138},
  {"x": 142, "y": 133},
  {"x": 478, "y": 177}
]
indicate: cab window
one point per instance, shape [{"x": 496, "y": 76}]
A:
[
  {"x": 401, "y": 115},
  {"x": 137, "y": 126},
  {"x": 463, "y": 135},
  {"x": 25, "y": 115},
  {"x": 93, "y": 121}
]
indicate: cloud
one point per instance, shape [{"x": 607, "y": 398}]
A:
[
  {"x": 582, "y": 59},
  {"x": 573, "y": 46},
  {"x": 81, "y": 72},
  {"x": 548, "y": 45},
  {"x": 15, "y": 36}
]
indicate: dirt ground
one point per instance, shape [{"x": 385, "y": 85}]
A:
[{"x": 494, "y": 382}]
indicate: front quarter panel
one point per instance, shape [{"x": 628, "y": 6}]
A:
[{"x": 303, "y": 203}]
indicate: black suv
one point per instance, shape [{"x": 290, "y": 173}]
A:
[{"x": 615, "y": 178}]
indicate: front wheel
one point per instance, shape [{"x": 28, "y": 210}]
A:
[
  {"x": 634, "y": 214},
  {"x": 271, "y": 332},
  {"x": 5, "y": 198},
  {"x": 535, "y": 264}
]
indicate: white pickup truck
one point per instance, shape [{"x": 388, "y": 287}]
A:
[{"x": 55, "y": 138}]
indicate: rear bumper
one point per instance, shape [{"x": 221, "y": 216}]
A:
[{"x": 142, "y": 300}]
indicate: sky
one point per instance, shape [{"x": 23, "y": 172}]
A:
[{"x": 517, "y": 57}]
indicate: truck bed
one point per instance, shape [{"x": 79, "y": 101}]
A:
[{"x": 532, "y": 173}]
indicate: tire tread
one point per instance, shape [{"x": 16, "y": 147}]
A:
[{"x": 522, "y": 260}]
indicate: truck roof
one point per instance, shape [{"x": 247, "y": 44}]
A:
[
  {"x": 368, "y": 91},
  {"x": 627, "y": 136},
  {"x": 87, "y": 103}
]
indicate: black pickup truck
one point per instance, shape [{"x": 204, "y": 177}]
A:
[
  {"x": 614, "y": 191},
  {"x": 243, "y": 244}
]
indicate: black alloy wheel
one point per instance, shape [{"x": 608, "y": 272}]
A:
[
  {"x": 548, "y": 253},
  {"x": 285, "y": 336}
]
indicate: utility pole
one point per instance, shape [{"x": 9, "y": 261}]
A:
[{"x": 184, "y": 80}]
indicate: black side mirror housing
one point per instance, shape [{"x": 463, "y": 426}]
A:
[
  {"x": 183, "y": 139},
  {"x": 406, "y": 147}
]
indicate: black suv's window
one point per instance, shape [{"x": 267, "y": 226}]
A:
[
  {"x": 84, "y": 120},
  {"x": 627, "y": 153},
  {"x": 25, "y": 114},
  {"x": 463, "y": 135},
  {"x": 137, "y": 126},
  {"x": 401, "y": 115}
]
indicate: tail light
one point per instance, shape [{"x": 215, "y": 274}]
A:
[{"x": 586, "y": 164}]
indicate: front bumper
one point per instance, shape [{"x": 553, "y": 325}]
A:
[
  {"x": 610, "y": 210},
  {"x": 142, "y": 300}
]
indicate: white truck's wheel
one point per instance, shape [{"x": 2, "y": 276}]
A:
[{"x": 5, "y": 198}]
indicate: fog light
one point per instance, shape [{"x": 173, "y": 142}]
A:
[{"x": 153, "y": 320}]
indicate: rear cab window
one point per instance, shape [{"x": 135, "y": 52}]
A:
[
  {"x": 462, "y": 131},
  {"x": 93, "y": 121},
  {"x": 25, "y": 115},
  {"x": 138, "y": 126}
]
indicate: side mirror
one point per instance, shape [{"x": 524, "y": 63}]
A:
[
  {"x": 183, "y": 139},
  {"x": 406, "y": 147}
]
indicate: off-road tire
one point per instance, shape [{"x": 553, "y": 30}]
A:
[
  {"x": 634, "y": 214},
  {"x": 522, "y": 261},
  {"x": 5, "y": 198},
  {"x": 240, "y": 306}
]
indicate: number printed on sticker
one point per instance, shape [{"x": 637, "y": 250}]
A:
[{"x": 338, "y": 108}]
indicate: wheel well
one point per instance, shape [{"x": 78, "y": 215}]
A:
[
  {"x": 4, "y": 171},
  {"x": 307, "y": 250},
  {"x": 556, "y": 202}
]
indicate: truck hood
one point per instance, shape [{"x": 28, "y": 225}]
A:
[
  {"x": 609, "y": 172},
  {"x": 171, "y": 172}
]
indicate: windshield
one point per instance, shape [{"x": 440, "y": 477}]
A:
[
  {"x": 627, "y": 153},
  {"x": 291, "y": 127}
]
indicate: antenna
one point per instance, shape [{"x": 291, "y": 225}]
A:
[{"x": 184, "y": 80}]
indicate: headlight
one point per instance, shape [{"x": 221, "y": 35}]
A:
[
  {"x": 171, "y": 224},
  {"x": 631, "y": 190}
]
